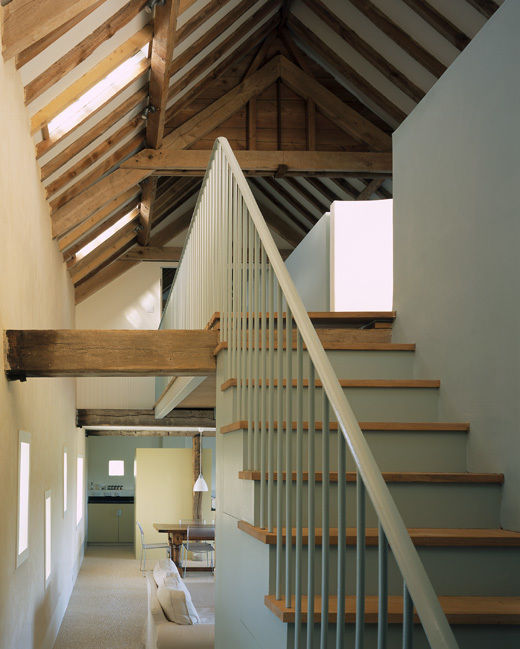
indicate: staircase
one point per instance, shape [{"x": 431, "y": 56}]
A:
[
  {"x": 346, "y": 516},
  {"x": 452, "y": 515}
]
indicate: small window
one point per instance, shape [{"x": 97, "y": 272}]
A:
[
  {"x": 48, "y": 535},
  {"x": 116, "y": 467},
  {"x": 24, "y": 470},
  {"x": 65, "y": 478},
  {"x": 79, "y": 490}
]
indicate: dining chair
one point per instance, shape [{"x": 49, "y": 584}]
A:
[
  {"x": 149, "y": 546},
  {"x": 203, "y": 533}
]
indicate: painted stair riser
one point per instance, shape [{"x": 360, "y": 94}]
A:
[
  {"x": 357, "y": 364},
  {"x": 420, "y": 505},
  {"x": 394, "y": 451},
  {"x": 453, "y": 571},
  {"x": 368, "y": 404},
  {"x": 468, "y": 637}
]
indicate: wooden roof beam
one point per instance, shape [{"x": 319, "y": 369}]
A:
[
  {"x": 486, "y": 7},
  {"x": 400, "y": 37},
  {"x": 213, "y": 33},
  {"x": 43, "y": 43},
  {"x": 82, "y": 50},
  {"x": 119, "y": 181},
  {"x": 365, "y": 50},
  {"x": 441, "y": 24},
  {"x": 76, "y": 352},
  {"x": 265, "y": 162},
  {"x": 345, "y": 117},
  {"x": 145, "y": 210},
  {"x": 25, "y": 23},
  {"x": 153, "y": 253},
  {"x": 356, "y": 81},
  {"x": 220, "y": 50},
  {"x": 165, "y": 30},
  {"x": 91, "y": 78}
]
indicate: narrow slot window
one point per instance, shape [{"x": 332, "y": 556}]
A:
[
  {"x": 79, "y": 490},
  {"x": 65, "y": 478},
  {"x": 24, "y": 465},
  {"x": 48, "y": 536}
]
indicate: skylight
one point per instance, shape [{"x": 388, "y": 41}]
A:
[
  {"x": 97, "y": 95},
  {"x": 106, "y": 234}
]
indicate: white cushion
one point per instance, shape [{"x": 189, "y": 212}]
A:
[
  {"x": 163, "y": 568},
  {"x": 176, "y": 603}
]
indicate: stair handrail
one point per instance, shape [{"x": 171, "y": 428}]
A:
[{"x": 428, "y": 608}]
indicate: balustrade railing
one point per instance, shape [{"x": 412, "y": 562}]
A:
[{"x": 231, "y": 266}]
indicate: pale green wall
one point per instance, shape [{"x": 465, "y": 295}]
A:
[
  {"x": 457, "y": 231},
  {"x": 102, "y": 449}
]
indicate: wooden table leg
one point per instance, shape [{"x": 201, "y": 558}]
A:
[{"x": 175, "y": 540}]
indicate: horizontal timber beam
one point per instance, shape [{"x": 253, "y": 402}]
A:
[
  {"x": 152, "y": 253},
  {"x": 93, "y": 352},
  {"x": 297, "y": 162},
  {"x": 188, "y": 417}
]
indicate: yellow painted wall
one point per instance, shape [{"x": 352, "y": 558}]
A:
[
  {"x": 164, "y": 490},
  {"x": 35, "y": 293}
]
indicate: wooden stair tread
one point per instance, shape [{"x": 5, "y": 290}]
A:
[
  {"x": 383, "y": 426},
  {"x": 396, "y": 477},
  {"x": 458, "y": 609},
  {"x": 357, "y": 347},
  {"x": 347, "y": 383},
  {"x": 424, "y": 537},
  {"x": 333, "y": 317}
]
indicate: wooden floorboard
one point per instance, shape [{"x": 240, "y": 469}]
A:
[
  {"x": 459, "y": 610},
  {"x": 394, "y": 477},
  {"x": 421, "y": 537}
]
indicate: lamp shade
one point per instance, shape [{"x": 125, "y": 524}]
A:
[{"x": 200, "y": 484}]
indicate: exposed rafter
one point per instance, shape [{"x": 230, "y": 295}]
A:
[{"x": 271, "y": 77}]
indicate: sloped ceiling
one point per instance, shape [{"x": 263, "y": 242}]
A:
[{"x": 270, "y": 75}]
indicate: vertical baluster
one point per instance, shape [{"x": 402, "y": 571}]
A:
[
  {"x": 244, "y": 304},
  {"x": 325, "y": 441},
  {"x": 234, "y": 351},
  {"x": 228, "y": 269},
  {"x": 382, "y": 616},
  {"x": 342, "y": 534},
  {"x": 407, "y": 618},
  {"x": 220, "y": 234},
  {"x": 360, "y": 562},
  {"x": 311, "y": 509},
  {"x": 279, "y": 447},
  {"x": 288, "y": 457},
  {"x": 270, "y": 450},
  {"x": 250, "y": 342},
  {"x": 299, "y": 488},
  {"x": 263, "y": 387},
  {"x": 256, "y": 360}
]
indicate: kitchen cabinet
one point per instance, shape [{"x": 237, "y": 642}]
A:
[{"x": 110, "y": 522}]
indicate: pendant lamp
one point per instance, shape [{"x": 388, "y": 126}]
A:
[{"x": 200, "y": 483}]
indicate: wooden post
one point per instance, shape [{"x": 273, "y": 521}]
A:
[{"x": 197, "y": 495}]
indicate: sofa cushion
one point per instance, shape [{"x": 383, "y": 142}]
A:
[
  {"x": 176, "y": 603},
  {"x": 163, "y": 568}
]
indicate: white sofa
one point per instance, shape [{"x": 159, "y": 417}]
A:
[{"x": 160, "y": 633}]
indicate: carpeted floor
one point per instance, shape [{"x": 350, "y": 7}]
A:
[{"x": 107, "y": 609}]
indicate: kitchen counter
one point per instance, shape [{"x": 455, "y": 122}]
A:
[{"x": 111, "y": 499}]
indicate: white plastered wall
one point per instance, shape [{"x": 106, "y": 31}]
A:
[
  {"x": 456, "y": 179},
  {"x": 35, "y": 292}
]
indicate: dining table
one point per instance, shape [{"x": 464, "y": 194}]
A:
[{"x": 178, "y": 533}]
